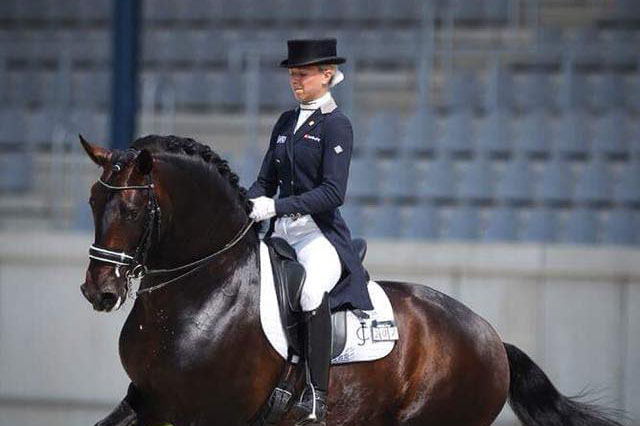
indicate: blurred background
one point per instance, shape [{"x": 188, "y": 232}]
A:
[{"x": 497, "y": 159}]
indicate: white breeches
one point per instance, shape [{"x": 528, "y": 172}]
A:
[{"x": 315, "y": 253}]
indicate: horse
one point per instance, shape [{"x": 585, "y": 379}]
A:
[{"x": 170, "y": 216}]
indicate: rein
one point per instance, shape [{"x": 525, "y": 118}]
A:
[{"x": 136, "y": 263}]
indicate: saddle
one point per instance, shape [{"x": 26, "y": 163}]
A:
[{"x": 289, "y": 276}]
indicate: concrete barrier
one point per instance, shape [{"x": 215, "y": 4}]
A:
[{"x": 575, "y": 311}]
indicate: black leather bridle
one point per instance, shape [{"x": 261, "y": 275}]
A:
[{"x": 136, "y": 262}]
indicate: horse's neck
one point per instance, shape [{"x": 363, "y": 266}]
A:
[{"x": 229, "y": 282}]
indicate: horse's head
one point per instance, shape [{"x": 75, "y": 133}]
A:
[
  {"x": 125, "y": 211},
  {"x": 165, "y": 202}
]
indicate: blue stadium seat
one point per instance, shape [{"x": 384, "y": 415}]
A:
[
  {"x": 89, "y": 46},
  {"x": 234, "y": 89},
  {"x": 621, "y": 227},
  {"x": 497, "y": 11},
  {"x": 181, "y": 46},
  {"x": 498, "y": 92},
  {"x": 627, "y": 189},
  {"x": 194, "y": 90},
  {"x": 156, "y": 46},
  {"x": 469, "y": 11},
  {"x": 463, "y": 224},
  {"x": 386, "y": 222},
  {"x": 357, "y": 10},
  {"x": 90, "y": 89},
  {"x": 159, "y": 10},
  {"x": 13, "y": 127},
  {"x": 533, "y": 135},
  {"x": 392, "y": 47},
  {"x": 419, "y": 137},
  {"x": 573, "y": 91},
  {"x": 363, "y": 178},
  {"x": 439, "y": 182},
  {"x": 502, "y": 225},
  {"x": 593, "y": 185},
  {"x": 460, "y": 91},
  {"x": 61, "y": 10},
  {"x": 582, "y": 226},
  {"x": 625, "y": 10},
  {"x": 557, "y": 182},
  {"x": 423, "y": 222},
  {"x": 541, "y": 226},
  {"x": 607, "y": 92},
  {"x": 16, "y": 171},
  {"x": 514, "y": 187},
  {"x": 41, "y": 125},
  {"x": 494, "y": 135},
  {"x": 327, "y": 11},
  {"x": 192, "y": 10},
  {"x": 83, "y": 121},
  {"x": 477, "y": 180},
  {"x": 408, "y": 10},
  {"x": 354, "y": 217},
  {"x": 610, "y": 135},
  {"x": 401, "y": 180},
  {"x": 26, "y": 10},
  {"x": 458, "y": 134},
  {"x": 533, "y": 91},
  {"x": 632, "y": 91},
  {"x": 572, "y": 139},
  {"x": 383, "y": 135},
  {"x": 208, "y": 46},
  {"x": 94, "y": 11}
]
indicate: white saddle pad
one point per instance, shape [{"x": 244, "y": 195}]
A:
[{"x": 365, "y": 341}]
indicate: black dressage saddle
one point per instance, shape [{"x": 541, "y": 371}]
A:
[{"x": 289, "y": 276}]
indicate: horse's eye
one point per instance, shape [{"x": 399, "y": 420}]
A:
[
  {"x": 92, "y": 202},
  {"x": 131, "y": 215}
]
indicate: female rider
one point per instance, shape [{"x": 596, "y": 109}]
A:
[{"x": 308, "y": 163}]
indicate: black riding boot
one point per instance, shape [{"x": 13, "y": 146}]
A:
[{"x": 317, "y": 351}]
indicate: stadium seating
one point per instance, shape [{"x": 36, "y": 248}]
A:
[{"x": 530, "y": 132}]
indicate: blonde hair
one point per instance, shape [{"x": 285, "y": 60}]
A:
[{"x": 332, "y": 67}]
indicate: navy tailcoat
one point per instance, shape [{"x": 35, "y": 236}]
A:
[{"x": 310, "y": 169}]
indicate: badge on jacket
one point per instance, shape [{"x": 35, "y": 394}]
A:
[
  {"x": 313, "y": 138},
  {"x": 281, "y": 139}
]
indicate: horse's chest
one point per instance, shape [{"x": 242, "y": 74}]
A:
[{"x": 166, "y": 347}]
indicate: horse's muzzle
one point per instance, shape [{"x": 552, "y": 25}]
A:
[{"x": 101, "y": 300}]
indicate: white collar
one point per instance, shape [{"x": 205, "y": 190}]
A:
[{"x": 324, "y": 102}]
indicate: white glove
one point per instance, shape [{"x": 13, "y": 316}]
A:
[{"x": 263, "y": 208}]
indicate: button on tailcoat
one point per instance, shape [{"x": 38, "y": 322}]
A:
[{"x": 310, "y": 169}]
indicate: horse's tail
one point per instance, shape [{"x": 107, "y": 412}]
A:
[{"x": 537, "y": 402}]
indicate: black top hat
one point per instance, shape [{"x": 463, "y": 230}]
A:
[{"x": 311, "y": 52}]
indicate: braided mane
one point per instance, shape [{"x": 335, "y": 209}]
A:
[{"x": 191, "y": 148}]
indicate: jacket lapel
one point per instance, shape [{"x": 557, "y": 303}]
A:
[
  {"x": 289, "y": 143},
  {"x": 313, "y": 120}
]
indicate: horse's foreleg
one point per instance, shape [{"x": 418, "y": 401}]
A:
[{"x": 131, "y": 411}]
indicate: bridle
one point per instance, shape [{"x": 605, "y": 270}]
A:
[{"x": 136, "y": 262}]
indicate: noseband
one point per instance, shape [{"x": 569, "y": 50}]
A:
[{"x": 136, "y": 263}]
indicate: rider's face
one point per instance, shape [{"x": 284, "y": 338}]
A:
[{"x": 309, "y": 82}]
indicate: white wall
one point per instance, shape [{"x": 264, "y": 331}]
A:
[{"x": 575, "y": 311}]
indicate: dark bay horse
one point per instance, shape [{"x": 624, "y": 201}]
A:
[{"x": 169, "y": 211}]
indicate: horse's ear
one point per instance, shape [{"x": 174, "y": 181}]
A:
[
  {"x": 98, "y": 155},
  {"x": 144, "y": 162}
]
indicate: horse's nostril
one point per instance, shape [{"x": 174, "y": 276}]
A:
[{"x": 108, "y": 300}]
